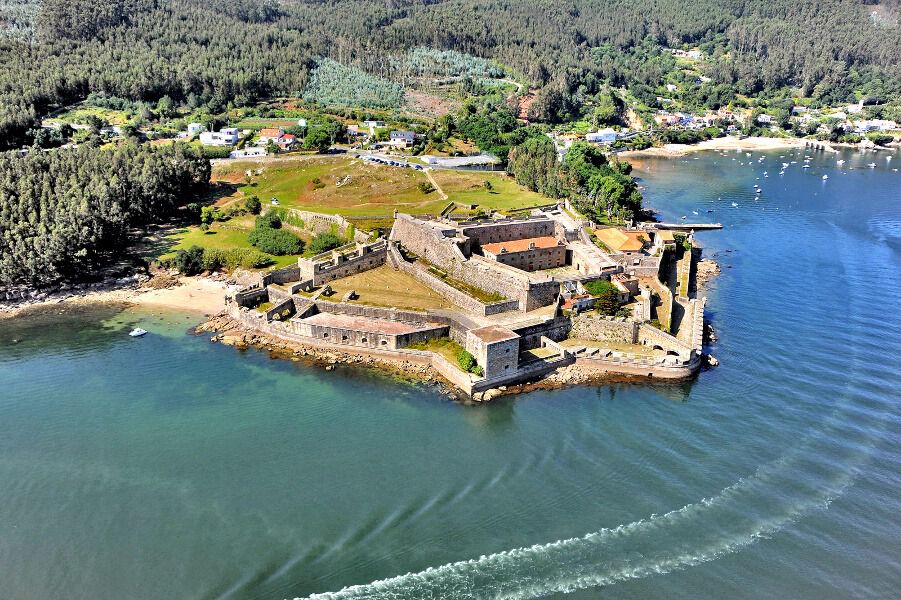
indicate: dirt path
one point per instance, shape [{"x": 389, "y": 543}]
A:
[{"x": 428, "y": 173}]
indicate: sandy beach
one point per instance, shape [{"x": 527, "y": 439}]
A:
[
  {"x": 723, "y": 143},
  {"x": 195, "y": 294}
]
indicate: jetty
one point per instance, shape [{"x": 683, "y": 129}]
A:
[{"x": 685, "y": 226}]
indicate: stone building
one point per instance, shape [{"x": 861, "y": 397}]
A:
[
  {"x": 529, "y": 254},
  {"x": 495, "y": 348}
]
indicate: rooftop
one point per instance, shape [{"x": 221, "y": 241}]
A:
[
  {"x": 521, "y": 245},
  {"x": 622, "y": 240},
  {"x": 493, "y": 333}
]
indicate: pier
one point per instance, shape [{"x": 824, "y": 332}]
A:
[{"x": 685, "y": 226}]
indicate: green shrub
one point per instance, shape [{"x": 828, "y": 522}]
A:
[
  {"x": 189, "y": 261},
  {"x": 467, "y": 362},
  {"x": 324, "y": 242},
  {"x": 425, "y": 187},
  {"x": 253, "y": 205},
  {"x": 606, "y": 294},
  {"x": 232, "y": 258},
  {"x": 271, "y": 220},
  {"x": 277, "y": 242}
]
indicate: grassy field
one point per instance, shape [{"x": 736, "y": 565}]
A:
[
  {"x": 386, "y": 287},
  {"x": 468, "y": 187},
  {"x": 225, "y": 235},
  {"x": 312, "y": 183}
]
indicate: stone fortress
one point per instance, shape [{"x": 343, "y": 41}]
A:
[{"x": 517, "y": 287}]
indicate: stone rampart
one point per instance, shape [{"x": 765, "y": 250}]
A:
[
  {"x": 322, "y": 223},
  {"x": 251, "y": 297},
  {"x": 604, "y": 329},
  {"x": 697, "y": 333},
  {"x": 649, "y": 335},
  {"x": 505, "y": 231},
  {"x": 281, "y": 276},
  {"x": 342, "y": 262},
  {"x": 282, "y": 311},
  {"x": 556, "y": 329},
  {"x": 459, "y": 298}
]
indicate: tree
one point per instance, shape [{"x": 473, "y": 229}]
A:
[
  {"x": 253, "y": 205},
  {"x": 190, "y": 261},
  {"x": 607, "y": 302},
  {"x": 323, "y": 242}
]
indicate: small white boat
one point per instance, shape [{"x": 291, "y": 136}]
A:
[
  {"x": 825, "y": 177},
  {"x": 137, "y": 332},
  {"x": 759, "y": 191},
  {"x": 734, "y": 204},
  {"x": 839, "y": 162},
  {"x": 872, "y": 165},
  {"x": 784, "y": 165},
  {"x": 694, "y": 212},
  {"x": 683, "y": 217},
  {"x": 805, "y": 167}
]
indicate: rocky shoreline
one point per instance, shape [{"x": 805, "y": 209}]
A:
[{"x": 226, "y": 330}]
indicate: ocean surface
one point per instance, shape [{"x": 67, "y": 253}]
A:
[{"x": 171, "y": 468}]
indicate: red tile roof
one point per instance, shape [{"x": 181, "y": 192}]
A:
[
  {"x": 520, "y": 245},
  {"x": 273, "y": 133}
]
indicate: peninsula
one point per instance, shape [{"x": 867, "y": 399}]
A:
[{"x": 500, "y": 301}]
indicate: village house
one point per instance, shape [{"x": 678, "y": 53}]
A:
[
  {"x": 604, "y": 136},
  {"x": 225, "y": 137},
  {"x": 402, "y": 139},
  {"x": 270, "y": 135},
  {"x": 195, "y": 129}
]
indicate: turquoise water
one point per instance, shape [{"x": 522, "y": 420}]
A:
[{"x": 169, "y": 467}]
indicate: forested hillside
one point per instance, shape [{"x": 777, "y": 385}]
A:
[
  {"x": 66, "y": 212},
  {"x": 218, "y": 52}
]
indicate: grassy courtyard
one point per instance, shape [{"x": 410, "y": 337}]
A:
[{"x": 386, "y": 287}]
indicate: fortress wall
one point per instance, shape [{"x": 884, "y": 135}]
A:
[
  {"x": 555, "y": 329},
  {"x": 349, "y": 267},
  {"x": 507, "y": 231},
  {"x": 459, "y": 298},
  {"x": 604, "y": 329},
  {"x": 649, "y": 335},
  {"x": 321, "y": 223}
]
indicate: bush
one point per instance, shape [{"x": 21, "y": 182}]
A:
[
  {"x": 467, "y": 362},
  {"x": 215, "y": 259},
  {"x": 271, "y": 220},
  {"x": 253, "y": 205},
  {"x": 425, "y": 187},
  {"x": 277, "y": 242},
  {"x": 190, "y": 261},
  {"x": 606, "y": 294},
  {"x": 324, "y": 242}
]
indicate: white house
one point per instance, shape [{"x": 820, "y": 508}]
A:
[
  {"x": 195, "y": 128},
  {"x": 604, "y": 136},
  {"x": 373, "y": 125},
  {"x": 225, "y": 137},
  {"x": 247, "y": 153},
  {"x": 402, "y": 139},
  {"x": 764, "y": 119},
  {"x": 874, "y": 125}
]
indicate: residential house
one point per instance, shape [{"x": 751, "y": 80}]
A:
[
  {"x": 287, "y": 141},
  {"x": 604, "y": 136},
  {"x": 402, "y": 139},
  {"x": 224, "y": 137},
  {"x": 195, "y": 128},
  {"x": 247, "y": 153},
  {"x": 765, "y": 119},
  {"x": 270, "y": 135}
]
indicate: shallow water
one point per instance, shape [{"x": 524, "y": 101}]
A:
[{"x": 168, "y": 467}]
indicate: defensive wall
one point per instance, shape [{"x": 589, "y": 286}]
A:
[
  {"x": 440, "y": 244},
  {"x": 322, "y": 223},
  {"x": 342, "y": 262},
  {"x": 457, "y": 297}
]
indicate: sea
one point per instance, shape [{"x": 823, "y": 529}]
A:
[{"x": 168, "y": 467}]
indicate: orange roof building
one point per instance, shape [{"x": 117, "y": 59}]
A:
[
  {"x": 529, "y": 254},
  {"x": 623, "y": 240}
]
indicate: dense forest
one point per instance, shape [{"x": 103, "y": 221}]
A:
[
  {"x": 221, "y": 52},
  {"x": 69, "y": 211}
]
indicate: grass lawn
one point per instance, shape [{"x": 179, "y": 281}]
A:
[
  {"x": 79, "y": 114},
  {"x": 312, "y": 183},
  {"x": 468, "y": 187},
  {"x": 446, "y": 347},
  {"x": 258, "y": 123},
  {"x": 225, "y": 235},
  {"x": 386, "y": 287}
]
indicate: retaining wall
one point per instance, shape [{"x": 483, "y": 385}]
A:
[
  {"x": 321, "y": 223},
  {"x": 649, "y": 335},
  {"x": 604, "y": 329}
]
